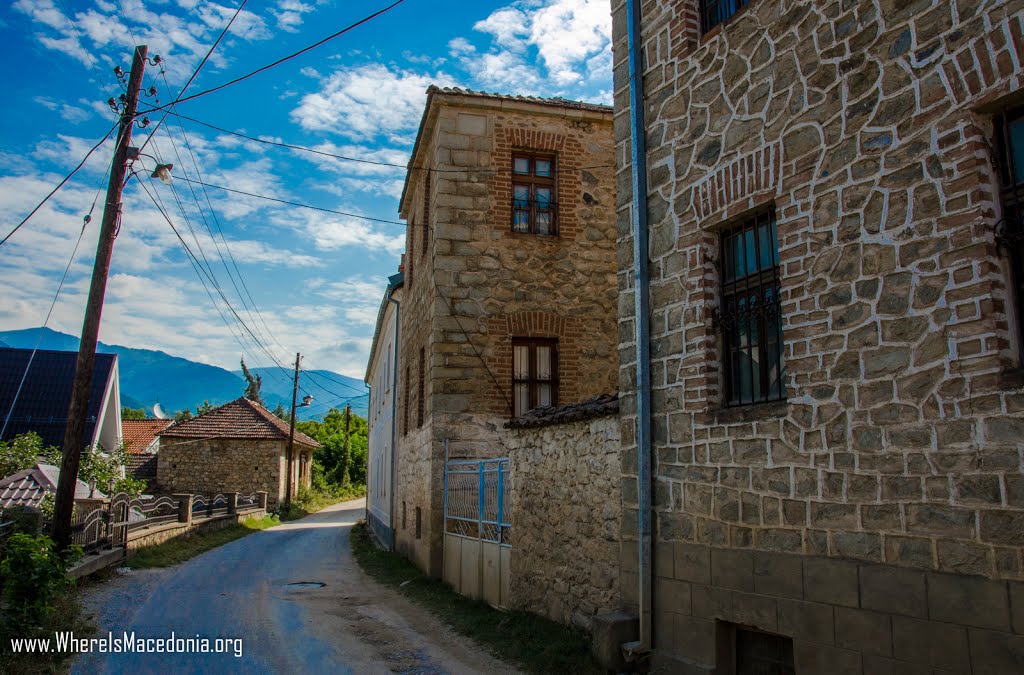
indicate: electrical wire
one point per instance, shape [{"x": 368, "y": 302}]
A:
[
  {"x": 346, "y": 158},
  {"x": 290, "y": 56},
  {"x": 290, "y": 203},
  {"x": 60, "y": 185},
  {"x": 28, "y": 366}
]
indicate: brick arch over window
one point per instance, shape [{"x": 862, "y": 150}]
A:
[
  {"x": 501, "y": 330},
  {"x": 568, "y": 153}
]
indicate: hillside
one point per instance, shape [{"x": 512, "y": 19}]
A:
[{"x": 149, "y": 376}]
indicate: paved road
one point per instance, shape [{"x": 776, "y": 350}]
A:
[{"x": 241, "y": 591}]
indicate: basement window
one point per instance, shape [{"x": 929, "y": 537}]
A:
[{"x": 747, "y": 651}]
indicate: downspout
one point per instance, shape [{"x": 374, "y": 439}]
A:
[
  {"x": 394, "y": 417},
  {"x": 641, "y": 291}
]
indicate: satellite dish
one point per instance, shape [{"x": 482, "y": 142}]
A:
[{"x": 159, "y": 413}]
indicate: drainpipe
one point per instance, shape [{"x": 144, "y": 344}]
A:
[
  {"x": 641, "y": 290},
  {"x": 394, "y": 416}
]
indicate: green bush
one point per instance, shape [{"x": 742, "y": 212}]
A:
[{"x": 34, "y": 577}]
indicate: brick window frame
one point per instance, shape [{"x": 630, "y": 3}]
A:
[
  {"x": 426, "y": 212},
  {"x": 529, "y": 379},
  {"x": 749, "y": 318},
  {"x": 420, "y": 399},
  {"x": 1009, "y": 160},
  {"x": 411, "y": 247},
  {"x": 715, "y": 13},
  {"x": 532, "y": 214}
]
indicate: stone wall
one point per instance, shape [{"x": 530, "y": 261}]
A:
[
  {"x": 867, "y": 124},
  {"x": 471, "y": 284},
  {"x": 565, "y": 519},
  {"x": 215, "y": 466}
]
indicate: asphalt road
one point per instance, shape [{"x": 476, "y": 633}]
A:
[{"x": 241, "y": 590}]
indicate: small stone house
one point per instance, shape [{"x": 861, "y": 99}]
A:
[
  {"x": 834, "y": 200},
  {"x": 508, "y": 299},
  {"x": 237, "y": 447},
  {"x": 141, "y": 445}
]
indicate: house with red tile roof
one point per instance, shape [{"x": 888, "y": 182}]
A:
[
  {"x": 237, "y": 447},
  {"x": 141, "y": 445}
]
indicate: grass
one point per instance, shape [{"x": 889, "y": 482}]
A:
[
  {"x": 179, "y": 550},
  {"x": 67, "y": 615},
  {"x": 310, "y": 501},
  {"x": 531, "y": 642}
]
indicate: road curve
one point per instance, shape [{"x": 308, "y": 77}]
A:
[{"x": 241, "y": 590}]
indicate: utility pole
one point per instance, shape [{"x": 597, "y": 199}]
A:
[
  {"x": 348, "y": 448},
  {"x": 78, "y": 408},
  {"x": 291, "y": 435}
]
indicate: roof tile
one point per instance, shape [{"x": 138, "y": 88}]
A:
[{"x": 240, "y": 418}]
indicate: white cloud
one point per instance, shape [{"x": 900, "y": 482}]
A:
[{"x": 367, "y": 102}]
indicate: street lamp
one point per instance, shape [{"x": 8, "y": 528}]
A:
[{"x": 306, "y": 400}]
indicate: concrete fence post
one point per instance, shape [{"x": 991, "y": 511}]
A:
[
  {"x": 184, "y": 507},
  {"x": 262, "y": 499},
  {"x": 232, "y": 502}
]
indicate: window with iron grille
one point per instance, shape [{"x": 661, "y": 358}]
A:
[
  {"x": 749, "y": 316},
  {"x": 714, "y": 12},
  {"x": 1010, "y": 228},
  {"x": 420, "y": 403},
  {"x": 534, "y": 374},
  {"x": 533, "y": 191}
]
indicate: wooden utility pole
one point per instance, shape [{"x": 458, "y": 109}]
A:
[
  {"x": 291, "y": 435},
  {"x": 79, "y": 406}
]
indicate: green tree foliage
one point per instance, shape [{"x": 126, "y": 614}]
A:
[
  {"x": 204, "y": 408},
  {"x": 132, "y": 413},
  {"x": 281, "y": 413},
  {"x": 340, "y": 464},
  {"x": 23, "y": 452},
  {"x": 33, "y": 577},
  {"x": 183, "y": 415},
  {"x": 252, "y": 388}
]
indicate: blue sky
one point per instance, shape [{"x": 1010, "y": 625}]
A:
[{"x": 316, "y": 278}]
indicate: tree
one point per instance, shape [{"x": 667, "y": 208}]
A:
[
  {"x": 252, "y": 388},
  {"x": 183, "y": 415},
  {"x": 330, "y": 433},
  {"x": 280, "y": 412},
  {"x": 23, "y": 452},
  {"x": 204, "y": 408},
  {"x": 132, "y": 413}
]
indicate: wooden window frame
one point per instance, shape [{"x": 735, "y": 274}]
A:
[
  {"x": 734, "y": 310},
  {"x": 420, "y": 389},
  {"x": 716, "y": 13},
  {"x": 533, "y": 181},
  {"x": 1010, "y": 227},
  {"x": 532, "y": 379}
]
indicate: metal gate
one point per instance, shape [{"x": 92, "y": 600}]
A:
[{"x": 477, "y": 535}]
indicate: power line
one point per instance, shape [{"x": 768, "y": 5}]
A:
[
  {"x": 346, "y": 158},
  {"x": 60, "y": 185},
  {"x": 290, "y": 56},
  {"x": 290, "y": 203}
]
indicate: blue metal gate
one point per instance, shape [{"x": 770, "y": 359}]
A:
[{"x": 476, "y": 500}]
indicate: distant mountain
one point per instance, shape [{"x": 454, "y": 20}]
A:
[{"x": 149, "y": 376}]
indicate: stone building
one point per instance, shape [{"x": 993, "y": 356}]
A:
[
  {"x": 837, "y": 411},
  {"x": 509, "y": 297},
  {"x": 381, "y": 378},
  {"x": 237, "y": 447}
]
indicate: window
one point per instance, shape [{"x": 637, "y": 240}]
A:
[
  {"x": 426, "y": 213},
  {"x": 412, "y": 250},
  {"x": 419, "y": 523},
  {"x": 534, "y": 374},
  {"x": 749, "y": 316},
  {"x": 714, "y": 12},
  {"x": 1010, "y": 230},
  {"x": 420, "y": 402},
  {"x": 405, "y": 403},
  {"x": 745, "y": 651},
  {"x": 533, "y": 189}
]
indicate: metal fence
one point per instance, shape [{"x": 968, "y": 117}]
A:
[{"x": 476, "y": 500}]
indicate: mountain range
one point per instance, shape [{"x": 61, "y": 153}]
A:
[{"x": 149, "y": 377}]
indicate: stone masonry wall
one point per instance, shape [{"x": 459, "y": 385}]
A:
[
  {"x": 210, "y": 467},
  {"x": 471, "y": 284},
  {"x": 867, "y": 124},
  {"x": 565, "y": 527}
]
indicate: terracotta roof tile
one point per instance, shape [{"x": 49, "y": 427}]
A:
[
  {"x": 599, "y": 406},
  {"x": 240, "y": 418},
  {"x": 556, "y": 101},
  {"x": 138, "y": 434}
]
